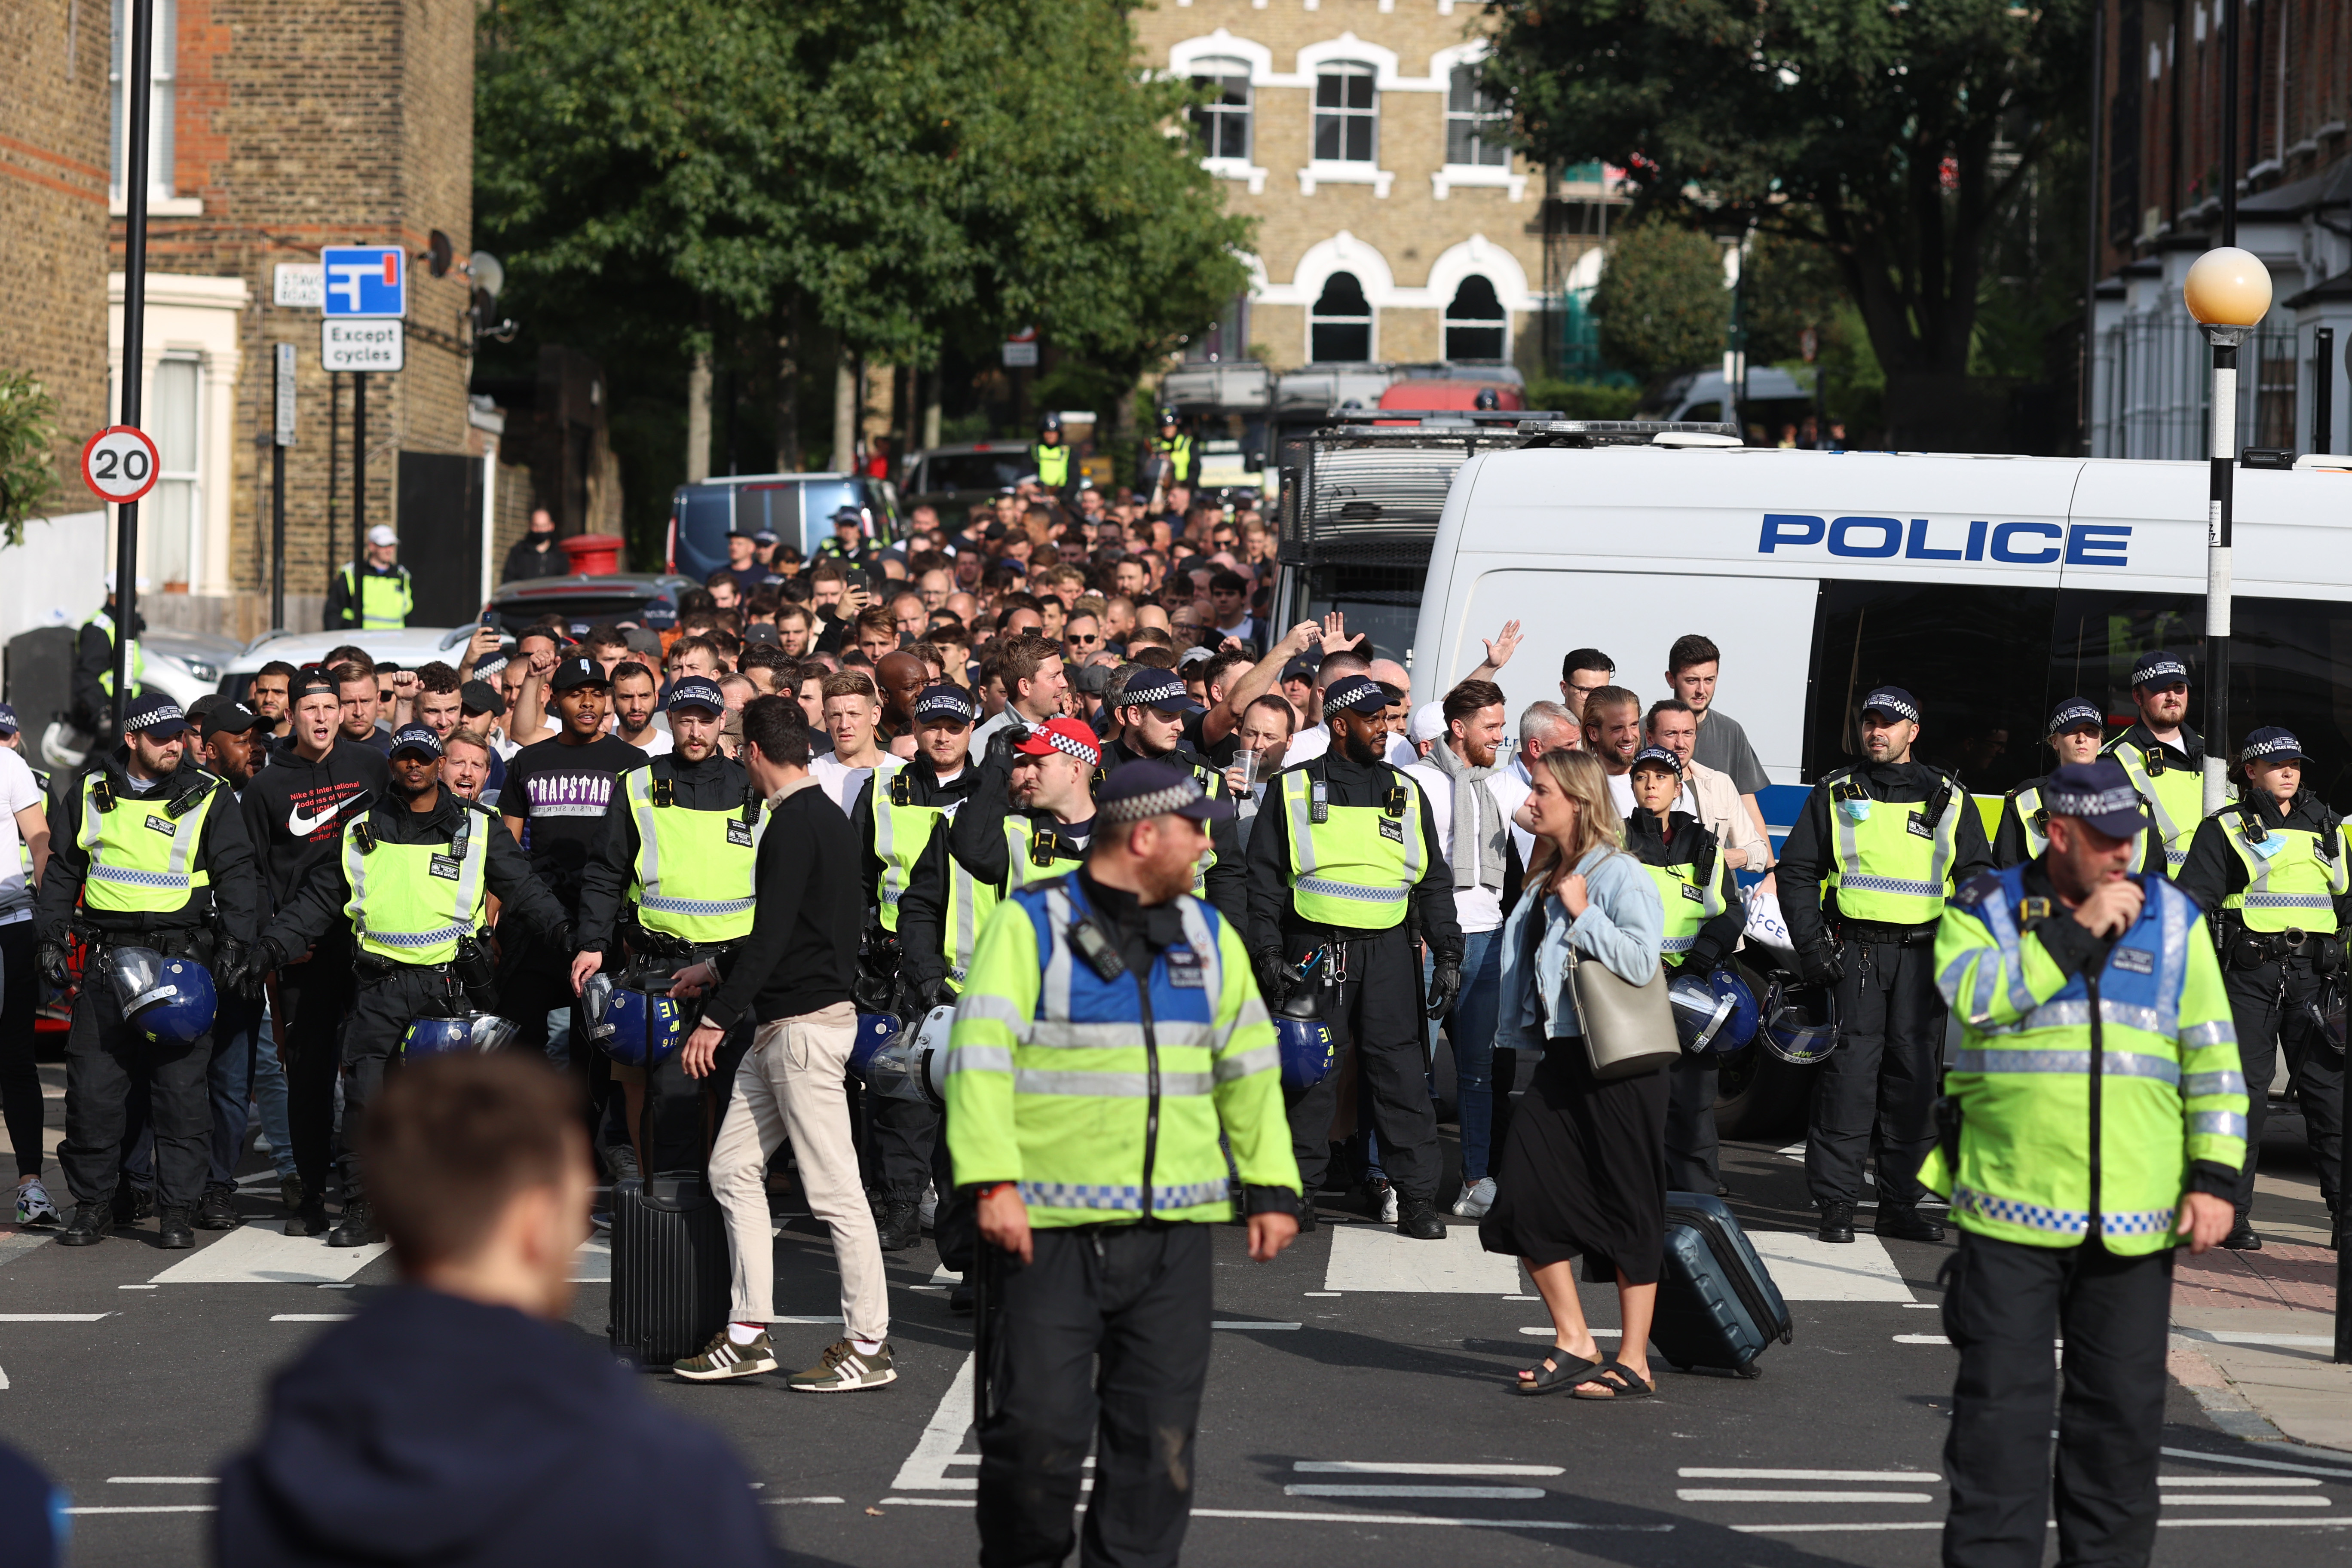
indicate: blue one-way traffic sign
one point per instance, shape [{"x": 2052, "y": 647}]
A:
[{"x": 365, "y": 279}]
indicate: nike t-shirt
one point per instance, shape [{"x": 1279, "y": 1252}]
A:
[{"x": 560, "y": 792}]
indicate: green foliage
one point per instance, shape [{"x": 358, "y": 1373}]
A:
[
  {"x": 28, "y": 454},
  {"x": 1584, "y": 399},
  {"x": 1660, "y": 301},
  {"x": 1864, "y": 127}
]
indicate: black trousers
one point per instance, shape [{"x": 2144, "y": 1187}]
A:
[
  {"x": 955, "y": 1228},
  {"x": 2270, "y": 1007},
  {"x": 20, "y": 1077},
  {"x": 1884, "y": 1074},
  {"x": 900, "y": 1133},
  {"x": 106, "y": 1059},
  {"x": 313, "y": 1000},
  {"x": 2004, "y": 1305},
  {"x": 1105, "y": 1335},
  {"x": 1377, "y": 1011},
  {"x": 1693, "y": 1150},
  {"x": 381, "y": 1014}
]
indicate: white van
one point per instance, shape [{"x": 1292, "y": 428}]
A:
[{"x": 1989, "y": 587}]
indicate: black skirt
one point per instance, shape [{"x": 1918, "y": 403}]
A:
[{"x": 1584, "y": 1172}]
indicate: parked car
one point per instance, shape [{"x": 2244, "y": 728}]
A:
[
  {"x": 952, "y": 480},
  {"x": 797, "y": 507},
  {"x": 1774, "y": 399},
  {"x": 647, "y": 598},
  {"x": 407, "y": 647}
]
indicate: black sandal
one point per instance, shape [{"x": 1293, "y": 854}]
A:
[
  {"x": 1619, "y": 1379},
  {"x": 1554, "y": 1375}
]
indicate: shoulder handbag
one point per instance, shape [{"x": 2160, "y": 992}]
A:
[{"x": 1628, "y": 1029}]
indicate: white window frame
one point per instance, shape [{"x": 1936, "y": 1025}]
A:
[
  {"x": 150, "y": 523},
  {"x": 1344, "y": 171},
  {"x": 1370, "y": 320},
  {"x": 162, "y": 138},
  {"x": 1506, "y": 176},
  {"x": 1221, "y": 68}
]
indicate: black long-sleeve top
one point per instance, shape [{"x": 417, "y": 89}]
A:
[
  {"x": 715, "y": 783},
  {"x": 294, "y": 810},
  {"x": 1809, "y": 853},
  {"x": 2214, "y": 869},
  {"x": 224, "y": 854},
  {"x": 1273, "y": 923},
  {"x": 802, "y": 951},
  {"x": 1678, "y": 841},
  {"x": 93, "y": 661},
  {"x": 317, "y": 907},
  {"x": 1226, "y": 886},
  {"x": 923, "y": 788},
  {"x": 2010, "y": 846}
]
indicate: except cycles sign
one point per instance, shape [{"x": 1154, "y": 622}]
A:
[{"x": 119, "y": 464}]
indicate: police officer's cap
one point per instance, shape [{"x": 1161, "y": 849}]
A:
[
  {"x": 8, "y": 725},
  {"x": 1355, "y": 694},
  {"x": 2272, "y": 744},
  {"x": 2072, "y": 714},
  {"x": 1148, "y": 787},
  {"x": 415, "y": 738},
  {"x": 848, "y": 517},
  {"x": 1656, "y": 757},
  {"x": 157, "y": 718},
  {"x": 1170, "y": 416},
  {"x": 2159, "y": 669},
  {"x": 1150, "y": 687},
  {"x": 694, "y": 691},
  {"x": 2098, "y": 792},
  {"x": 1891, "y": 702},
  {"x": 944, "y": 699}
]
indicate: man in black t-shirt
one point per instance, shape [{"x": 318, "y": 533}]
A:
[{"x": 553, "y": 802}]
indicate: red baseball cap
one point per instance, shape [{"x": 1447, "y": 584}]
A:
[{"x": 1065, "y": 735}]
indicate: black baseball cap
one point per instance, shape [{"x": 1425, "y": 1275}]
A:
[
  {"x": 227, "y": 717},
  {"x": 481, "y": 697},
  {"x": 2158, "y": 668},
  {"x": 414, "y": 738},
  {"x": 578, "y": 670},
  {"x": 310, "y": 683},
  {"x": 1657, "y": 757},
  {"x": 2271, "y": 744}
]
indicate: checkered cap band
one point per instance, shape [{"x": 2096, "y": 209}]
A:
[
  {"x": 1151, "y": 802},
  {"x": 149, "y": 717},
  {"x": 2156, "y": 667},
  {"x": 1152, "y": 686},
  {"x": 2071, "y": 714},
  {"x": 938, "y": 704},
  {"x": 1069, "y": 745},
  {"x": 1886, "y": 699},
  {"x": 2274, "y": 743},
  {"x": 2063, "y": 802}
]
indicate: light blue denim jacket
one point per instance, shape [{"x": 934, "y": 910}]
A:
[{"x": 1624, "y": 927}]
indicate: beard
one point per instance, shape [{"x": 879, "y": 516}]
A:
[
  {"x": 1358, "y": 749},
  {"x": 1162, "y": 883}
]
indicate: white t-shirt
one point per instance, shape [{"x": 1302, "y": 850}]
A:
[
  {"x": 18, "y": 790},
  {"x": 1620, "y": 790},
  {"x": 842, "y": 783},
  {"x": 657, "y": 743}
]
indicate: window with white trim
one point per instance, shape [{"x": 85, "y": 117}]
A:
[
  {"x": 1347, "y": 113},
  {"x": 164, "y": 54},
  {"x": 1222, "y": 123},
  {"x": 1474, "y": 120},
  {"x": 169, "y": 538},
  {"x": 1339, "y": 323},
  {"x": 1476, "y": 326}
]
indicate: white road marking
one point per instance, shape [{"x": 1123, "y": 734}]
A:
[
  {"x": 1385, "y": 1520},
  {"x": 2333, "y": 1519},
  {"x": 1376, "y": 1258},
  {"x": 1766, "y": 1494},
  {"x": 4, "y": 1380},
  {"x": 52, "y": 1317},
  {"x": 1808, "y": 1268},
  {"x": 338, "y": 1287},
  {"x": 2256, "y": 1464},
  {"x": 310, "y": 1317},
  {"x": 153, "y": 1507},
  {"x": 1412, "y": 1468},
  {"x": 1523, "y": 1298},
  {"x": 1237, "y": 1323},
  {"x": 1330, "y": 1294},
  {"x": 1816, "y": 1528},
  {"x": 926, "y": 1468},
  {"x": 937, "y": 1502},
  {"x": 593, "y": 1262},
  {"x": 790, "y": 1501},
  {"x": 1699, "y": 1473},
  {"x": 2200, "y": 1500},
  {"x": 1547, "y": 1330},
  {"x": 1924, "y": 1305},
  {"x": 1922, "y": 1340},
  {"x": 2236, "y": 1481},
  {"x": 162, "y": 1480},
  {"x": 134, "y": 1286},
  {"x": 253, "y": 1256},
  {"x": 1490, "y": 1494}
]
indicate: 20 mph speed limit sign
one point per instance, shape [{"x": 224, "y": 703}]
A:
[{"x": 120, "y": 463}]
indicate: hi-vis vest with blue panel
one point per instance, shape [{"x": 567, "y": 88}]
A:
[
  {"x": 2294, "y": 876},
  {"x": 1891, "y": 862},
  {"x": 142, "y": 849},
  {"x": 413, "y": 903},
  {"x": 1353, "y": 866},
  {"x": 695, "y": 869}
]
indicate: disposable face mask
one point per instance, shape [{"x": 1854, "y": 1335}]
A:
[{"x": 1855, "y": 810}]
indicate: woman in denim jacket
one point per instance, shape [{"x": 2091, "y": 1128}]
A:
[{"x": 1583, "y": 1174}]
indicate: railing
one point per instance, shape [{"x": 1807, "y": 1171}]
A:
[{"x": 2155, "y": 389}]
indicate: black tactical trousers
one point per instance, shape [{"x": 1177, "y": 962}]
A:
[
  {"x": 1885, "y": 1073},
  {"x": 2271, "y": 1007},
  {"x": 106, "y": 1059},
  {"x": 1376, "y": 1011}
]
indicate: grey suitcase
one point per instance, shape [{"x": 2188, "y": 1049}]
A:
[
  {"x": 1717, "y": 1306},
  {"x": 670, "y": 1274}
]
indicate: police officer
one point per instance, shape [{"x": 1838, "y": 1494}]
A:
[
  {"x": 379, "y": 596},
  {"x": 1097, "y": 1189},
  {"x": 1864, "y": 879},
  {"x": 93, "y": 673},
  {"x": 2162, "y": 756},
  {"x": 897, "y": 819},
  {"x": 2071, "y": 1182},
  {"x": 1149, "y": 709},
  {"x": 2272, "y": 869},
  {"x": 1172, "y": 450},
  {"x": 149, "y": 853},
  {"x": 1703, "y": 918},
  {"x": 1049, "y": 454},
  {"x": 2075, "y": 726},
  {"x": 671, "y": 882},
  {"x": 847, "y": 545},
  {"x": 1356, "y": 853},
  {"x": 412, "y": 876}
]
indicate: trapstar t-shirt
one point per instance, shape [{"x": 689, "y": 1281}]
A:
[{"x": 560, "y": 792}]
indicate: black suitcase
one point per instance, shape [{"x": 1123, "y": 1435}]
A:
[
  {"x": 671, "y": 1277},
  {"x": 1717, "y": 1306}
]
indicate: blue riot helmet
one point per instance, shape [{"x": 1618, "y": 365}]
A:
[
  {"x": 1799, "y": 1020},
  {"x": 907, "y": 1063},
  {"x": 436, "y": 1036},
  {"x": 648, "y": 1030},
  {"x": 170, "y": 1001},
  {"x": 1302, "y": 1038},
  {"x": 1738, "y": 1029},
  {"x": 596, "y": 1007},
  {"x": 1699, "y": 1014},
  {"x": 875, "y": 1030},
  {"x": 490, "y": 1032}
]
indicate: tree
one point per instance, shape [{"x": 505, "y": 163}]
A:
[
  {"x": 1893, "y": 134},
  {"x": 28, "y": 451},
  {"x": 1661, "y": 300}
]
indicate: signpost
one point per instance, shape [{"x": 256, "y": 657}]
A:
[
  {"x": 364, "y": 298},
  {"x": 281, "y": 438},
  {"x": 136, "y": 146},
  {"x": 119, "y": 463}
]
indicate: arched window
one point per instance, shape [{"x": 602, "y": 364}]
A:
[
  {"x": 1347, "y": 113},
  {"x": 1339, "y": 326},
  {"x": 1222, "y": 123},
  {"x": 1475, "y": 325}
]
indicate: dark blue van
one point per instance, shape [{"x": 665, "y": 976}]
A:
[{"x": 797, "y": 507}]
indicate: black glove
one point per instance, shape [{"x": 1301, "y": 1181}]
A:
[
  {"x": 1823, "y": 962},
  {"x": 228, "y": 962},
  {"x": 50, "y": 957},
  {"x": 1445, "y": 984},
  {"x": 567, "y": 941},
  {"x": 1273, "y": 977}
]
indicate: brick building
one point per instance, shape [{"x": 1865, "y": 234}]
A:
[{"x": 1393, "y": 223}]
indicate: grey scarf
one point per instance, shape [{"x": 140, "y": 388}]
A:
[{"x": 1479, "y": 827}]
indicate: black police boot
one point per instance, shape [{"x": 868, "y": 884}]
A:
[
  {"x": 901, "y": 1226},
  {"x": 2241, "y": 1238},
  {"x": 309, "y": 1218},
  {"x": 172, "y": 1231},
  {"x": 1417, "y": 1217},
  {"x": 1306, "y": 1216},
  {"x": 132, "y": 1204},
  {"x": 621, "y": 1163},
  {"x": 88, "y": 1226},
  {"x": 358, "y": 1228},
  {"x": 1906, "y": 1223},
  {"x": 1837, "y": 1222},
  {"x": 217, "y": 1213},
  {"x": 289, "y": 1192},
  {"x": 960, "y": 1296}
]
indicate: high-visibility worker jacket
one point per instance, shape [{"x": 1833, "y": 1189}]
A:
[
  {"x": 134, "y": 657},
  {"x": 2085, "y": 1098},
  {"x": 383, "y": 601},
  {"x": 695, "y": 869},
  {"x": 1694, "y": 885},
  {"x": 1032, "y": 854},
  {"x": 1177, "y": 451},
  {"x": 1352, "y": 867},
  {"x": 2024, "y": 832},
  {"x": 2175, "y": 794},
  {"x": 1103, "y": 1098},
  {"x": 143, "y": 852},
  {"x": 2293, "y": 874},
  {"x": 1213, "y": 784},
  {"x": 413, "y": 903},
  {"x": 1891, "y": 862},
  {"x": 1052, "y": 464}
]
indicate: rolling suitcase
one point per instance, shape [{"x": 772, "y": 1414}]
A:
[
  {"x": 671, "y": 1277},
  {"x": 1717, "y": 1306}
]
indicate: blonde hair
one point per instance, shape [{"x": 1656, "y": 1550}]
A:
[{"x": 1580, "y": 776}]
